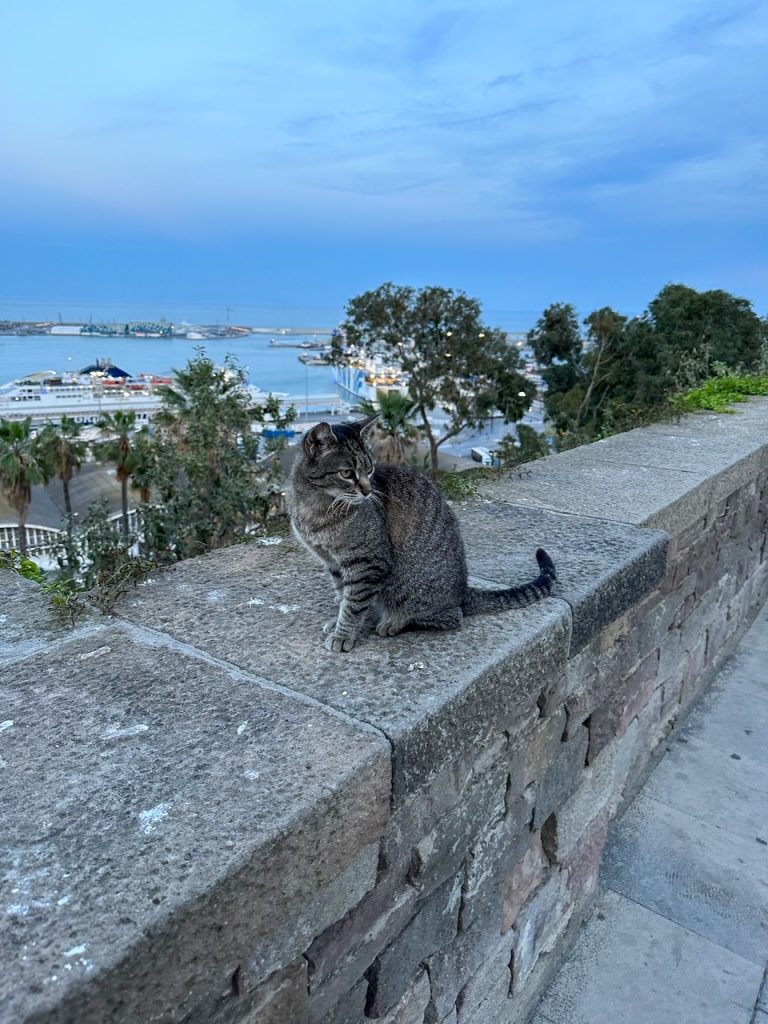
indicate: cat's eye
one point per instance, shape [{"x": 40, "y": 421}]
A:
[{"x": 346, "y": 474}]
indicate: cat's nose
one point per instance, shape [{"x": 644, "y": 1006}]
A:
[{"x": 364, "y": 484}]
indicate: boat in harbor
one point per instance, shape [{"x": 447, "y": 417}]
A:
[
  {"x": 320, "y": 359},
  {"x": 86, "y": 396},
  {"x": 359, "y": 378}
]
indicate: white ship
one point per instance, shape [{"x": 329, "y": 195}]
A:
[
  {"x": 360, "y": 378},
  {"x": 85, "y": 397}
]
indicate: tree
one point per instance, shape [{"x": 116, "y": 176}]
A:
[
  {"x": 65, "y": 451},
  {"x": 211, "y": 475},
  {"x": 451, "y": 359},
  {"x": 23, "y": 464},
  {"x": 715, "y": 325},
  {"x": 394, "y": 435},
  {"x": 119, "y": 448},
  {"x": 528, "y": 446}
]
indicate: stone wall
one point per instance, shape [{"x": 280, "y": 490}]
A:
[{"x": 212, "y": 819}]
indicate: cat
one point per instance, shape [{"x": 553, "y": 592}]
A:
[{"x": 390, "y": 542}]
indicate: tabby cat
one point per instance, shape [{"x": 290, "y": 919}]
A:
[{"x": 389, "y": 541}]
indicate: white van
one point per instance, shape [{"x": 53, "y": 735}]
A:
[{"x": 483, "y": 456}]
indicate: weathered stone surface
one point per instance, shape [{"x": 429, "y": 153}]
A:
[
  {"x": 452, "y": 967},
  {"x": 562, "y": 776},
  {"x": 710, "y": 881},
  {"x": 440, "y": 852},
  {"x": 603, "y": 568},
  {"x": 432, "y": 928},
  {"x": 598, "y": 794},
  {"x": 486, "y": 995},
  {"x": 341, "y": 955},
  {"x": 329, "y": 904},
  {"x": 413, "y": 1004},
  {"x": 538, "y": 927},
  {"x": 282, "y": 998},
  {"x": 545, "y": 744},
  {"x": 422, "y": 811},
  {"x": 171, "y": 835},
  {"x": 631, "y": 961},
  {"x": 577, "y": 483},
  {"x": 27, "y": 621},
  {"x": 625, "y": 703},
  {"x": 431, "y": 694},
  {"x": 524, "y": 878},
  {"x": 667, "y": 476},
  {"x": 350, "y": 1009},
  {"x": 489, "y": 861}
]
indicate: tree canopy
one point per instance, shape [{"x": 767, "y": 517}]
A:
[
  {"x": 621, "y": 372},
  {"x": 453, "y": 361}
]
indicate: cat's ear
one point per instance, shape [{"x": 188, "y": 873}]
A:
[
  {"x": 320, "y": 438},
  {"x": 365, "y": 425}
]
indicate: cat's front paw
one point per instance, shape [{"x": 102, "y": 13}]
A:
[{"x": 338, "y": 644}]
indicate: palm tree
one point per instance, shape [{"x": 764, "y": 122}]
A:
[
  {"x": 393, "y": 433},
  {"x": 23, "y": 463},
  {"x": 119, "y": 448},
  {"x": 65, "y": 452}
]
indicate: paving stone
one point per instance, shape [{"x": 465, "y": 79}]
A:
[
  {"x": 161, "y": 797},
  {"x": 724, "y": 789},
  {"x": 631, "y": 965},
  {"x": 603, "y": 568},
  {"x": 434, "y": 695},
  {"x": 713, "y": 882}
]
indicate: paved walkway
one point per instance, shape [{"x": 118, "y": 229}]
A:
[{"x": 680, "y": 934}]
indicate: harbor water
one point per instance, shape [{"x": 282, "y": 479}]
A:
[{"x": 269, "y": 367}]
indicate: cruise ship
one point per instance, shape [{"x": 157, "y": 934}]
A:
[
  {"x": 359, "y": 378},
  {"x": 85, "y": 397}
]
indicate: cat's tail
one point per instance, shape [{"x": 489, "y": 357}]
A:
[{"x": 479, "y": 601}]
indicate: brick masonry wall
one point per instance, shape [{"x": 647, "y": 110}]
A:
[
  {"x": 485, "y": 874},
  {"x": 408, "y": 835}
]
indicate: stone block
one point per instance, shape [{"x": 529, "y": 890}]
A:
[
  {"x": 538, "y": 927},
  {"x": 597, "y": 795},
  {"x": 612, "y": 718},
  {"x": 603, "y": 568},
  {"x": 282, "y": 998},
  {"x": 350, "y": 1009},
  {"x": 329, "y": 904},
  {"x": 412, "y": 1006},
  {"x": 561, "y": 777},
  {"x": 485, "y": 996},
  {"x": 582, "y": 868},
  {"x": 205, "y": 838},
  {"x": 523, "y": 880},
  {"x": 341, "y": 954},
  {"x": 432, "y": 928},
  {"x": 545, "y": 744},
  {"x": 488, "y": 863},
  {"x": 439, "y": 854},
  {"x": 436, "y": 696},
  {"x": 451, "y": 968}
]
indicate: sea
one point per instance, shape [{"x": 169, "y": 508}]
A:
[{"x": 269, "y": 367}]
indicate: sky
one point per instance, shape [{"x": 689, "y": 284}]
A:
[{"x": 263, "y": 160}]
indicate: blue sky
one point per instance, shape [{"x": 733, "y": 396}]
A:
[{"x": 163, "y": 157}]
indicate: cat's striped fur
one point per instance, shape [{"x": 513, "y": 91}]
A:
[{"x": 391, "y": 544}]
